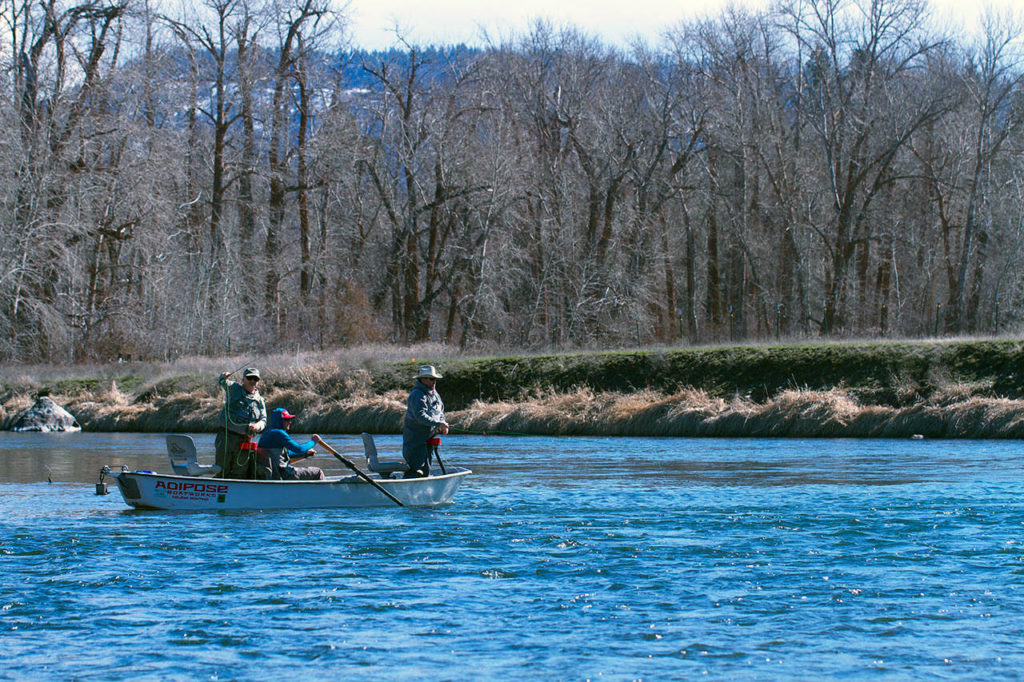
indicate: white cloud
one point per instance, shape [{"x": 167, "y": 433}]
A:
[
  {"x": 617, "y": 21},
  {"x": 450, "y": 21}
]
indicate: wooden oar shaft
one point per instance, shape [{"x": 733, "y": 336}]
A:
[{"x": 359, "y": 473}]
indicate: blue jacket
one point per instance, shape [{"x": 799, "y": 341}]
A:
[{"x": 276, "y": 440}]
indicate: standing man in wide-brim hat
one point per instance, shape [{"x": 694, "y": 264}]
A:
[{"x": 424, "y": 417}]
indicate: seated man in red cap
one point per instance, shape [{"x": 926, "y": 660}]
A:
[{"x": 277, "y": 451}]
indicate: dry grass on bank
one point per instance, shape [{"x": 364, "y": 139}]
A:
[
  {"x": 333, "y": 393},
  {"x": 188, "y": 412},
  {"x": 807, "y": 414},
  {"x": 179, "y": 412},
  {"x": 690, "y": 412}
]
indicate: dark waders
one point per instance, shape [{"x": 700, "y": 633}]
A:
[
  {"x": 247, "y": 460},
  {"x": 235, "y": 455}
]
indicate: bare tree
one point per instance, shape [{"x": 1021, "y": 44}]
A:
[
  {"x": 412, "y": 170},
  {"x": 299, "y": 26},
  {"x": 863, "y": 104},
  {"x": 992, "y": 85},
  {"x": 62, "y": 57}
]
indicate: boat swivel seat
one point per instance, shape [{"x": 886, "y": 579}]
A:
[
  {"x": 184, "y": 461},
  {"x": 385, "y": 469}
]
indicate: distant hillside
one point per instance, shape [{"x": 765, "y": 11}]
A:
[{"x": 437, "y": 63}]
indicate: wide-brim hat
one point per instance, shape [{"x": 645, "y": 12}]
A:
[{"x": 428, "y": 372}]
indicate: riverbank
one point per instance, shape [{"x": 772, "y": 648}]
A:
[{"x": 963, "y": 389}]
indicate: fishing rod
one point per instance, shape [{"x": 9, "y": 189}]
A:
[
  {"x": 247, "y": 363},
  {"x": 488, "y": 433}
]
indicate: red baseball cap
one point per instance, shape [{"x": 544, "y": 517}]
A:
[{"x": 285, "y": 414}]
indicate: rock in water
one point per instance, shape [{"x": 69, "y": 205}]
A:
[{"x": 46, "y": 416}]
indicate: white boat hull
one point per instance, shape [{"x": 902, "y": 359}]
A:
[{"x": 145, "y": 490}]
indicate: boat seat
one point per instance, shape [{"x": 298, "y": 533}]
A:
[
  {"x": 385, "y": 469},
  {"x": 184, "y": 461}
]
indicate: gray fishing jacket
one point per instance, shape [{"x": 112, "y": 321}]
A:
[
  {"x": 424, "y": 412},
  {"x": 241, "y": 409}
]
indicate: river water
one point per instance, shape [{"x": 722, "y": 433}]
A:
[{"x": 561, "y": 558}]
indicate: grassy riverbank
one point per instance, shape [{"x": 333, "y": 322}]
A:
[{"x": 971, "y": 389}]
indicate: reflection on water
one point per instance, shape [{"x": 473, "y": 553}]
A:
[{"x": 78, "y": 457}]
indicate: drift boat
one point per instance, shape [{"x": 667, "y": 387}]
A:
[
  {"x": 146, "y": 490},
  {"x": 188, "y": 489}
]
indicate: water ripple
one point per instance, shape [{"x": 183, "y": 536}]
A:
[{"x": 677, "y": 558}]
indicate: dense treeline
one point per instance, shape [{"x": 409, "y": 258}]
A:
[{"x": 217, "y": 180}]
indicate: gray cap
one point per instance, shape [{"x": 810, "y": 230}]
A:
[{"x": 251, "y": 372}]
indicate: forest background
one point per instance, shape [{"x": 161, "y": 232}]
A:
[{"x": 235, "y": 179}]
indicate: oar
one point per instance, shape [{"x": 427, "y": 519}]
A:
[
  {"x": 438, "y": 456},
  {"x": 359, "y": 473},
  {"x": 436, "y": 453}
]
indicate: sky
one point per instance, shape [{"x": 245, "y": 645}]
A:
[{"x": 437, "y": 22}]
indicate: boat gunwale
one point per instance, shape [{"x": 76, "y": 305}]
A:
[{"x": 458, "y": 471}]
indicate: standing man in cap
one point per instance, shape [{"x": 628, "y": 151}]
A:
[
  {"x": 244, "y": 415},
  {"x": 424, "y": 417}
]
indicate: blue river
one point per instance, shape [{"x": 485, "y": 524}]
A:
[{"x": 560, "y": 558}]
